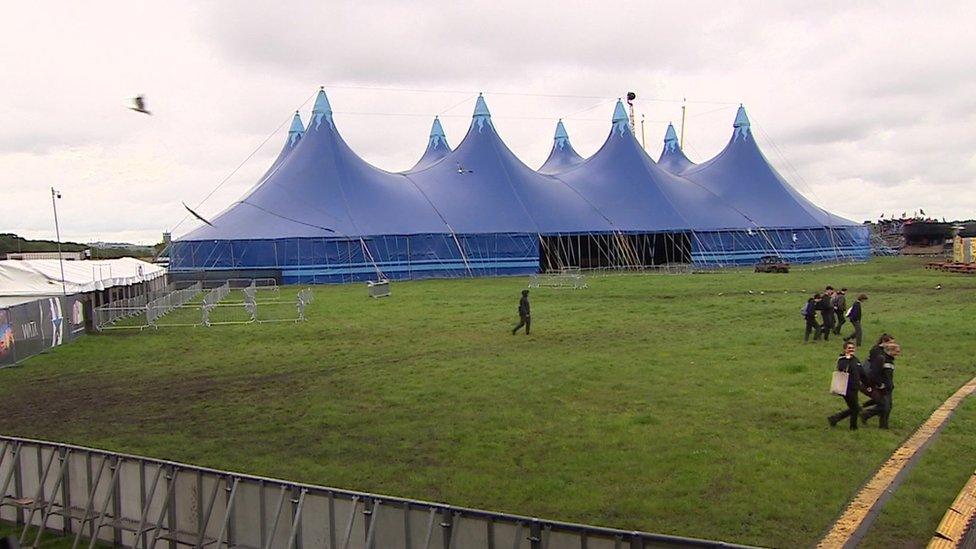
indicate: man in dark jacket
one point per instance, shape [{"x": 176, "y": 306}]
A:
[
  {"x": 810, "y": 315},
  {"x": 885, "y": 385},
  {"x": 525, "y": 318},
  {"x": 850, "y": 364},
  {"x": 855, "y": 317},
  {"x": 840, "y": 309},
  {"x": 827, "y": 312}
]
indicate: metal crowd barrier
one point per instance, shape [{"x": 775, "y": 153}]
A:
[
  {"x": 133, "y": 501},
  {"x": 164, "y": 305},
  {"x": 379, "y": 288},
  {"x": 559, "y": 280}
]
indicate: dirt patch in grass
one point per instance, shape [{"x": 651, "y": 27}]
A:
[{"x": 90, "y": 401}]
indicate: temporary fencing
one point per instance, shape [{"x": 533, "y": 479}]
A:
[
  {"x": 236, "y": 301},
  {"x": 131, "y": 501},
  {"x": 565, "y": 278}
]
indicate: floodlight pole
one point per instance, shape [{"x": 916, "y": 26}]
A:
[
  {"x": 57, "y": 231},
  {"x": 643, "y": 144},
  {"x": 681, "y": 142}
]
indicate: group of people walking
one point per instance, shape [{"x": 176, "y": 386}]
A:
[
  {"x": 874, "y": 378},
  {"x": 834, "y": 313}
]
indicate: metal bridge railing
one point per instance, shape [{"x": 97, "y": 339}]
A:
[{"x": 139, "y": 502}]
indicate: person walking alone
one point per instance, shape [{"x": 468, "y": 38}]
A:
[
  {"x": 525, "y": 319},
  {"x": 854, "y": 315},
  {"x": 840, "y": 309},
  {"x": 810, "y": 315},
  {"x": 849, "y": 363}
]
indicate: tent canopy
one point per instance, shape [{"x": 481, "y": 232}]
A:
[
  {"x": 323, "y": 211},
  {"x": 40, "y": 277}
]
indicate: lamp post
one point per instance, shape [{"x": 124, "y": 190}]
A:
[{"x": 55, "y": 195}]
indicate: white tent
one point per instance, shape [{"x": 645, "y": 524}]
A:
[{"x": 40, "y": 277}]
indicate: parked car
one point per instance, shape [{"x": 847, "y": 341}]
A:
[{"x": 772, "y": 264}]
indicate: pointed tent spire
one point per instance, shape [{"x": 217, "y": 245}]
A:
[
  {"x": 481, "y": 113},
  {"x": 621, "y": 122},
  {"x": 437, "y": 135},
  {"x": 562, "y": 138},
  {"x": 296, "y": 131},
  {"x": 741, "y": 123},
  {"x": 671, "y": 139},
  {"x": 322, "y": 108}
]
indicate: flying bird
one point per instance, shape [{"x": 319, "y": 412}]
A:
[
  {"x": 196, "y": 215},
  {"x": 139, "y": 103}
]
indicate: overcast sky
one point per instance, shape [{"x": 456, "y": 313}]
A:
[{"x": 865, "y": 109}]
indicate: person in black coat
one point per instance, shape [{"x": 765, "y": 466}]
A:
[
  {"x": 855, "y": 317},
  {"x": 849, "y": 363},
  {"x": 810, "y": 315},
  {"x": 872, "y": 368},
  {"x": 840, "y": 308},
  {"x": 525, "y": 319},
  {"x": 827, "y": 312},
  {"x": 884, "y": 380}
]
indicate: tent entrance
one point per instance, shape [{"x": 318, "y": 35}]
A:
[{"x": 613, "y": 251}]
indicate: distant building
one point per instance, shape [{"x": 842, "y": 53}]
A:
[{"x": 67, "y": 256}]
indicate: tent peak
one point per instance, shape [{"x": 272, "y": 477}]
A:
[
  {"x": 322, "y": 109},
  {"x": 481, "y": 113},
  {"x": 436, "y": 130},
  {"x": 741, "y": 124},
  {"x": 561, "y": 130},
  {"x": 621, "y": 122},
  {"x": 671, "y": 139},
  {"x": 438, "y": 138},
  {"x": 296, "y": 130},
  {"x": 561, "y": 139}
]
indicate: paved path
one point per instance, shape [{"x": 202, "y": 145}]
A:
[{"x": 861, "y": 512}]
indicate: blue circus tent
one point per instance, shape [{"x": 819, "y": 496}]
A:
[
  {"x": 562, "y": 156},
  {"x": 437, "y": 147},
  {"x": 323, "y": 214},
  {"x": 797, "y": 228},
  {"x": 672, "y": 158}
]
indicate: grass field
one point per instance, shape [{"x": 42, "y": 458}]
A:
[{"x": 671, "y": 403}]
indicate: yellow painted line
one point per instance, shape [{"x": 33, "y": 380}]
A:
[
  {"x": 956, "y": 519},
  {"x": 862, "y": 504}
]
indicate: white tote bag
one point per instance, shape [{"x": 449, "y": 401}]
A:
[{"x": 838, "y": 383}]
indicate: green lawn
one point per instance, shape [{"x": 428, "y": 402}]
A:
[{"x": 679, "y": 404}]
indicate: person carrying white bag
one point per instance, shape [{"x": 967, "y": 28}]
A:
[{"x": 846, "y": 382}]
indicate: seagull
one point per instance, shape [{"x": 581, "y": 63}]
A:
[
  {"x": 196, "y": 215},
  {"x": 462, "y": 170},
  {"x": 140, "y": 105}
]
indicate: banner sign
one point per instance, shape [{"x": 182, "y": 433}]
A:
[{"x": 31, "y": 328}]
